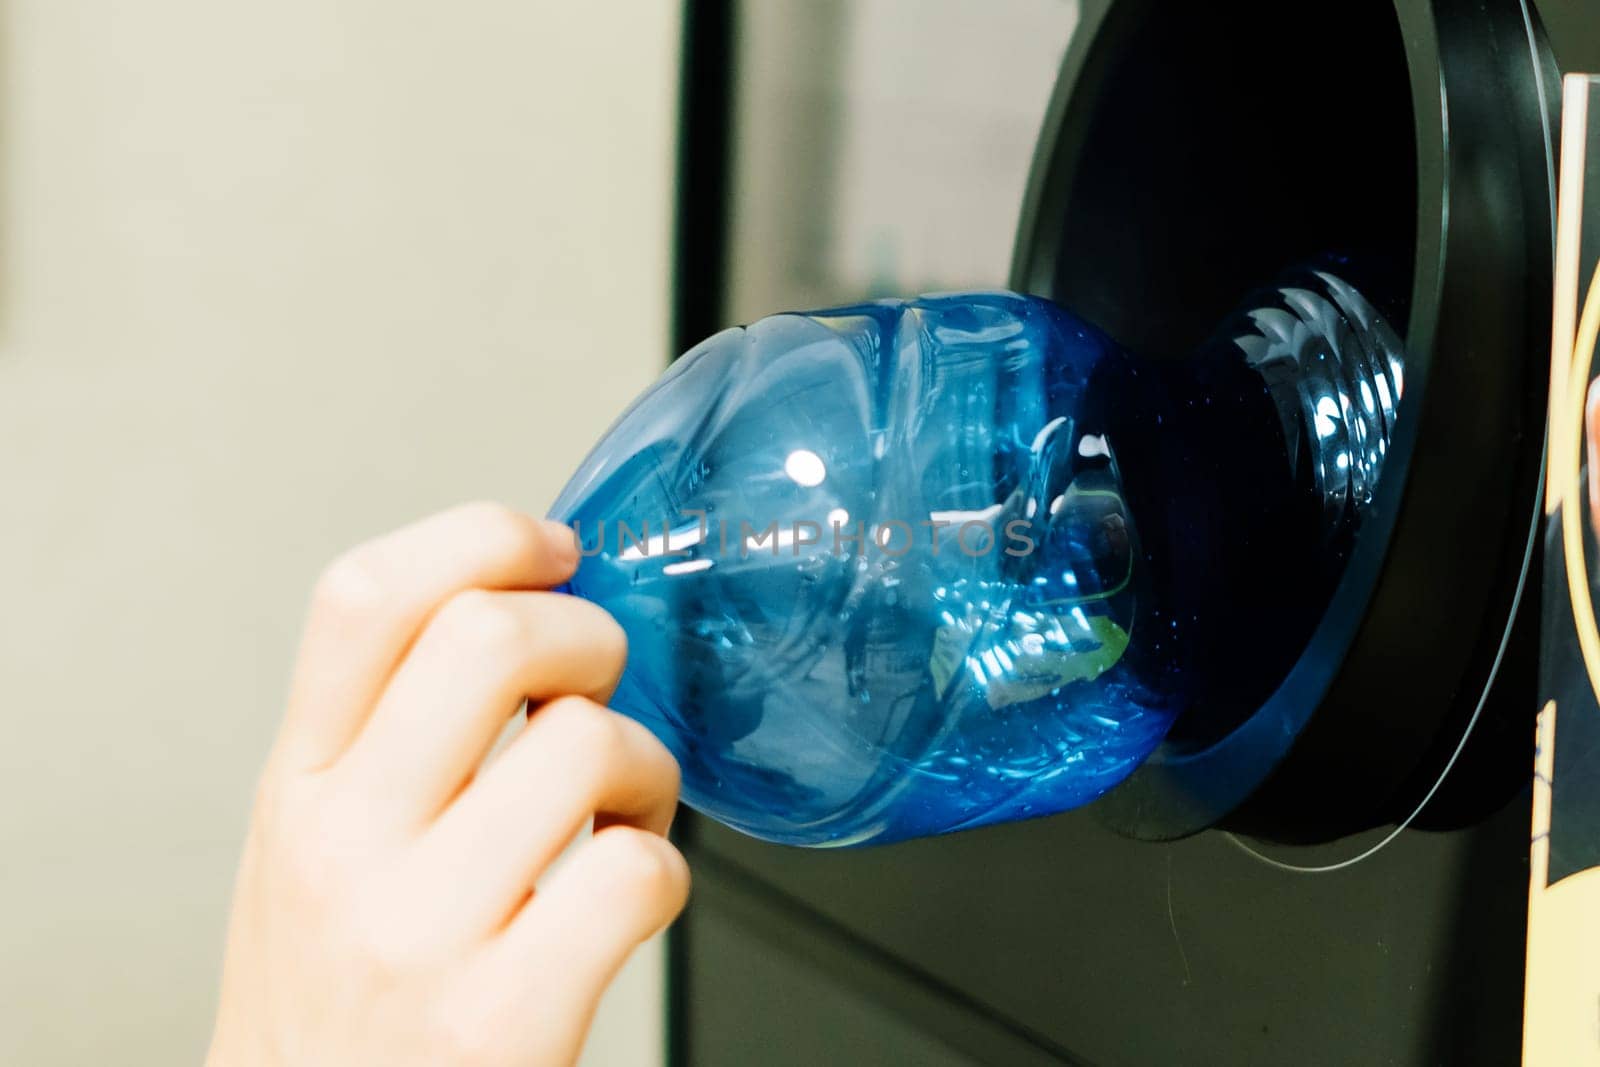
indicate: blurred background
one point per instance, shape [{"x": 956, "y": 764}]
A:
[
  {"x": 277, "y": 278},
  {"x": 273, "y": 278}
]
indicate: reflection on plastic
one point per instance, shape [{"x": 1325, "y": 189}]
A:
[{"x": 880, "y": 567}]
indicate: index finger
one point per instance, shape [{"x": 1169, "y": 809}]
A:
[{"x": 370, "y": 604}]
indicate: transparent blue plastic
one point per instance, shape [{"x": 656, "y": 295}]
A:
[{"x": 881, "y": 573}]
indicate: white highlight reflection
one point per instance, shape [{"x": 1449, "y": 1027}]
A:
[{"x": 805, "y": 467}]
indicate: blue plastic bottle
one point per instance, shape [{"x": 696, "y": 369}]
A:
[{"x": 910, "y": 567}]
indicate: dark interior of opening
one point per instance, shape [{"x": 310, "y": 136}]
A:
[
  {"x": 1221, "y": 147},
  {"x": 1226, "y": 143}
]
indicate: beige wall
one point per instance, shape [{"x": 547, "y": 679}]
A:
[{"x": 273, "y": 277}]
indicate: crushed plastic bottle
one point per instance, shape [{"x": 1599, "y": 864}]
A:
[{"x": 915, "y": 566}]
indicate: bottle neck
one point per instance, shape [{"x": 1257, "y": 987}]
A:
[
  {"x": 1335, "y": 371},
  {"x": 1248, "y": 467}
]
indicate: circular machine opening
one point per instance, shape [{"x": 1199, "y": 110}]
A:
[
  {"x": 1207, "y": 150},
  {"x": 1193, "y": 154},
  {"x": 1217, "y": 145}
]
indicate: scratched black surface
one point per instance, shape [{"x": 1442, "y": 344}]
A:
[{"x": 1126, "y": 952}]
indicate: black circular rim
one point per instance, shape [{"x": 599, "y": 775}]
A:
[{"x": 1427, "y": 592}]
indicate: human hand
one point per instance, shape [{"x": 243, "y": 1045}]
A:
[{"x": 385, "y": 910}]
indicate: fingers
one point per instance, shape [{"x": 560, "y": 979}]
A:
[
  {"x": 469, "y": 671},
  {"x": 369, "y": 605},
  {"x": 574, "y": 759},
  {"x": 614, "y": 892}
]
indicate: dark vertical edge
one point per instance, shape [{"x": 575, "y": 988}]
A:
[
  {"x": 699, "y": 265},
  {"x": 705, "y": 109}
]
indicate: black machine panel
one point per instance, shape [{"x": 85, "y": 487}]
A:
[{"x": 1123, "y": 155}]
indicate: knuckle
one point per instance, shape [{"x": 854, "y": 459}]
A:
[
  {"x": 671, "y": 773},
  {"x": 604, "y": 643},
  {"x": 604, "y": 631},
  {"x": 488, "y": 513},
  {"x": 584, "y": 616},
  {"x": 658, "y": 764},
  {"x": 496, "y": 524},
  {"x": 583, "y": 729},
  {"x": 612, "y": 643},
  {"x": 644, "y": 865},
  {"x": 349, "y": 586},
  {"x": 481, "y": 619}
]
